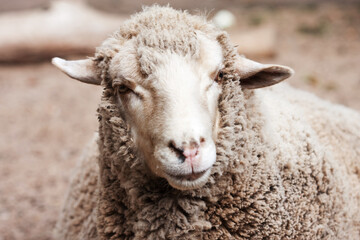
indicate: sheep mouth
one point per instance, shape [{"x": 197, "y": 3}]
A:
[
  {"x": 189, "y": 177},
  {"x": 188, "y": 181}
]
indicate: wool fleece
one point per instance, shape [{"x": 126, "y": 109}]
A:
[{"x": 287, "y": 162}]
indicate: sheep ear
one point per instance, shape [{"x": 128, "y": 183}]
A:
[
  {"x": 82, "y": 70},
  {"x": 256, "y": 75}
]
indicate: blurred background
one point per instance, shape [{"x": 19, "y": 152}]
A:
[{"x": 46, "y": 118}]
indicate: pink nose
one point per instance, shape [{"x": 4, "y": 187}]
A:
[
  {"x": 190, "y": 152},
  {"x": 186, "y": 153}
]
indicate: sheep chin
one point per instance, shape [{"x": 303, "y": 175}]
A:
[{"x": 188, "y": 184}]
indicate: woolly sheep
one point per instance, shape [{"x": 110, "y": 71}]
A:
[{"x": 187, "y": 149}]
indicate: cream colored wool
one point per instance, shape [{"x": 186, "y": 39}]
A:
[{"x": 287, "y": 163}]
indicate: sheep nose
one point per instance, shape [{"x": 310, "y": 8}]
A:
[{"x": 187, "y": 152}]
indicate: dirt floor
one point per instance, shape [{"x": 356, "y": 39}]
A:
[{"x": 46, "y": 118}]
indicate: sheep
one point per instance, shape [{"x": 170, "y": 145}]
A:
[{"x": 193, "y": 143}]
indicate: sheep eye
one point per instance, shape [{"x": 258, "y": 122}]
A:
[
  {"x": 219, "y": 77},
  {"x": 122, "y": 89}
]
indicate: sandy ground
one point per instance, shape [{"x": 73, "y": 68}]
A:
[{"x": 46, "y": 118}]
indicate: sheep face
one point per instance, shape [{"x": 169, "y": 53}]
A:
[
  {"x": 172, "y": 110},
  {"x": 169, "y": 97}
]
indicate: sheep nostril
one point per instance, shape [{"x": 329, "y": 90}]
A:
[{"x": 178, "y": 151}]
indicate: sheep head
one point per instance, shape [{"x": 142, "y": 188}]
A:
[{"x": 170, "y": 100}]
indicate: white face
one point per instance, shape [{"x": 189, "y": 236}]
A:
[{"x": 173, "y": 111}]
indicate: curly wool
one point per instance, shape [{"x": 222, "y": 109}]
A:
[{"x": 279, "y": 172}]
